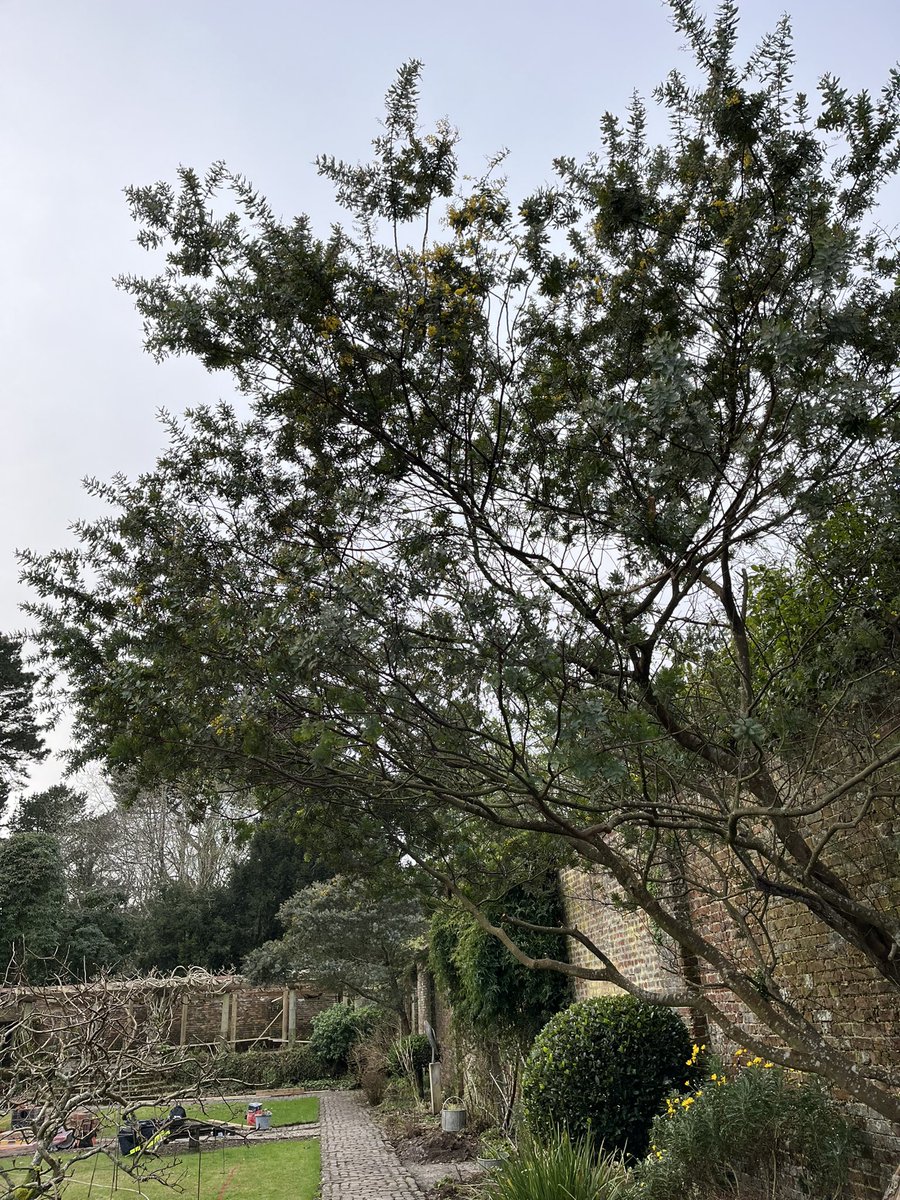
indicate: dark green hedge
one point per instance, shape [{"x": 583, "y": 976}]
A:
[{"x": 269, "y": 1068}]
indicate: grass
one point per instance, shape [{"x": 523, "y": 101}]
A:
[
  {"x": 291, "y": 1171},
  {"x": 292, "y": 1110}
]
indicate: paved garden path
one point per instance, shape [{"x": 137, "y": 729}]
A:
[{"x": 357, "y": 1162}]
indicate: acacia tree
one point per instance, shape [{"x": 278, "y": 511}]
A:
[{"x": 532, "y": 544}]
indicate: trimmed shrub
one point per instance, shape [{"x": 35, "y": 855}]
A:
[
  {"x": 770, "y": 1126},
  {"x": 300, "y": 1063},
  {"x": 335, "y": 1032},
  {"x": 557, "y": 1169},
  {"x": 603, "y": 1068},
  {"x": 269, "y": 1068}
]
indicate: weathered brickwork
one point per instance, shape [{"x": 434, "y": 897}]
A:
[
  {"x": 626, "y": 936},
  {"x": 225, "y": 1011},
  {"x": 832, "y": 984},
  {"x": 638, "y": 950}
]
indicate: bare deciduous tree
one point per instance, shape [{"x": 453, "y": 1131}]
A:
[{"x": 75, "y": 1053}]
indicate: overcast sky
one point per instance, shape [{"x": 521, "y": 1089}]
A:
[{"x": 98, "y": 94}]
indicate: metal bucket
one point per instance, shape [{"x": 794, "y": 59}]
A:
[
  {"x": 453, "y": 1120},
  {"x": 263, "y": 1121}
]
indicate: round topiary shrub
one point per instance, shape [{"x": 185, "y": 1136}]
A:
[{"x": 603, "y": 1067}]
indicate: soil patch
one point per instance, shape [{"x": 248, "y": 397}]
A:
[
  {"x": 435, "y": 1146},
  {"x": 452, "y": 1189},
  {"x": 443, "y": 1164}
]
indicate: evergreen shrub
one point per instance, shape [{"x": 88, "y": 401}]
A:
[
  {"x": 491, "y": 993},
  {"x": 336, "y": 1030},
  {"x": 602, "y": 1068},
  {"x": 409, "y": 1055},
  {"x": 297, "y": 1064}
]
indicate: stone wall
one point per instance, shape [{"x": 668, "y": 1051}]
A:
[{"x": 429, "y": 1005}]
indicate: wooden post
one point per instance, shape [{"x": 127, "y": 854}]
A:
[
  {"x": 284, "y": 1015},
  {"x": 226, "y": 1013},
  {"x": 234, "y": 1015},
  {"x": 292, "y": 1015},
  {"x": 24, "y": 1032},
  {"x": 182, "y": 1032},
  {"x": 436, "y": 1093}
]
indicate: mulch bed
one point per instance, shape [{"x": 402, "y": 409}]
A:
[{"x": 442, "y": 1163}]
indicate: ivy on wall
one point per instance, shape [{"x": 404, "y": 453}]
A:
[{"x": 489, "y": 991}]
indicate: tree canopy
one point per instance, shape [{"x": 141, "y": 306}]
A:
[
  {"x": 32, "y": 895},
  {"x": 348, "y": 940},
  {"x": 53, "y": 811},
  {"x": 523, "y": 542},
  {"x": 215, "y": 925},
  {"x": 20, "y": 732}
]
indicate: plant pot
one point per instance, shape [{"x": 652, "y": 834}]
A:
[{"x": 490, "y": 1164}]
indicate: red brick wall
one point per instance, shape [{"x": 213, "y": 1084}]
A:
[
  {"x": 848, "y": 1002},
  {"x": 626, "y": 936}
]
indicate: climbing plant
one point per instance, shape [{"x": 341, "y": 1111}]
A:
[{"x": 488, "y": 989}]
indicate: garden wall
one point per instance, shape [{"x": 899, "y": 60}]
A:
[
  {"x": 627, "y": 935},
  {"x": 827, "y": 979},
  {"x": 428, "y": 1005},
  {"x": 223, "y": 1010}
]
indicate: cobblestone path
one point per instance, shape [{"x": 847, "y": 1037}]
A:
[{"x": 357, "y": 1162}]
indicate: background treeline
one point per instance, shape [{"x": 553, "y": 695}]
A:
[{"x": 139, "y": 886}]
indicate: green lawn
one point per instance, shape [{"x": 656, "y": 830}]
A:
[
  {"x": 291, "y": 1171},
  {"x": 293, "y": 1110}
]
